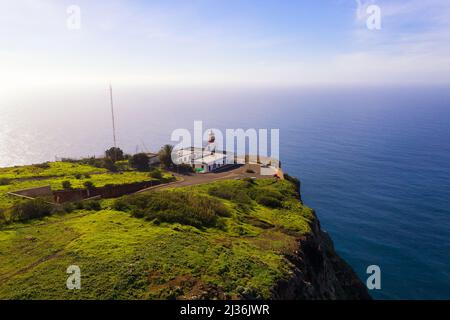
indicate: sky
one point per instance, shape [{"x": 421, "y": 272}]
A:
[{"x": 224, "y": 42}]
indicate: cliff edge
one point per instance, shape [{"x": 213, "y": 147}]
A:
[
  {"x": 319, "y": 272},
  {"x": 229, "y": 239}
]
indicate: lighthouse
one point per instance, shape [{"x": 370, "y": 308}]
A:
[{"x": 211, "y": 142}]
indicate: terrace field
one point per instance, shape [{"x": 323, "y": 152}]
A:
[{"x": 138, "y": 247}]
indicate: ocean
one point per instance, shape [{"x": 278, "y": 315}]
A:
[{"x": 374, "y": 162}]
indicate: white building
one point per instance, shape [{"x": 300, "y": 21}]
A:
[
  {"x": 201, "y": 160},
  {"x": 204, "y": 160},
  {"x": 211, "y": 162}
]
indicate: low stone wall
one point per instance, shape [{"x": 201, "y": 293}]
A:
[
  {"x": 63, "y": 196},
  {"x": 34, "y": 192}
]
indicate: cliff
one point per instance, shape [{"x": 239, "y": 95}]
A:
[
  {"x": 229, "y": 239},
  {"x": 319, "y": 272}
]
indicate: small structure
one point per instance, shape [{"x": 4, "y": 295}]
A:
[
  {"x": 202, "y": 160},
  {"x": 153, "y": 159},
  {"x": 211, "y": 147},
  {"x": 211, "y": 162}
]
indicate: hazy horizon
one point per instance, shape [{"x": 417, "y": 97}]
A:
[
  {"x": 52, "y": 44},
  {"x": 76, "y": 123}
]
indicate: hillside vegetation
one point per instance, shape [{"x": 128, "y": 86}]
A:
[
  {"x": 73, "y": 174},
  {"x": 227, "y": 239}
]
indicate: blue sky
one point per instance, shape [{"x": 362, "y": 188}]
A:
[{"x": 224, "y": 42}]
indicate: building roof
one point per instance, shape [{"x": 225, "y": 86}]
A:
[
  {"x": 212, "y": 158},
  {"x": 151, "y": 154},
  {"x": 201, "y": 155}
]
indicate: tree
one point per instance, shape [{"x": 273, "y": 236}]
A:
[
  {"x": 115, "y": 154},
  {"x": 140, "y": 162},
  {"x": 165, "y": 156},
  {"x": 109, "y": 165},
  {"x": 66, "y": 185}
]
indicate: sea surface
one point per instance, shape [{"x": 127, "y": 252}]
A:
[{"x": 374, "y": 162}]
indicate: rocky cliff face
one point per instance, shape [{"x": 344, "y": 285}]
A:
[{"x": 319, "y": 273}]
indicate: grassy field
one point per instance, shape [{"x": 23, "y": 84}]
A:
[
  {"x": 100, "y": 180},
  {"x": 124, "y": 257},
  {"x": 50, "y": 169},
  {"x": 55, "y": 173}
]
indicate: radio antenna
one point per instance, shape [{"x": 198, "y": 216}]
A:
[{"x": 112, "y": 116}]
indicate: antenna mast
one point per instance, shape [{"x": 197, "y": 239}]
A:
[{"x": 112, "y": 115}]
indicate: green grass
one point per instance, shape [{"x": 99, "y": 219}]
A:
[
  {"x": 123, "y": 257},
  {"x": 100, "y": 180},
  {"x": 54, "y": 173},
  {"x": 51, "y": 169},
  {"x": 7, "y": 200}
]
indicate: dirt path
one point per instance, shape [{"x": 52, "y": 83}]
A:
[
  {"x": 31, "y": 266},
  {"x": 54, "y": 255}
]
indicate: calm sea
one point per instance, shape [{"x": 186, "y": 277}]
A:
[{"x": 374, "y": 163}]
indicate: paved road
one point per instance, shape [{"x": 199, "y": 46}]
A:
[{"x": 195, "y": 179}]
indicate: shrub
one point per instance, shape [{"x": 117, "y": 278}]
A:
[
  {"x": 66, "y": 185},
  {"x": 140, "y": 162},
  {"x": 122, "y": 165},
  {"x": 78, "y": 205},
  {"x": 92, "y": 205},
  {"x": 78, "y": 176},
  {"x": 121, "y": 204},
  {"x": 98, "y": 163},
  {"x": 294, "y": 181},
  {"x": 270, "y": 202},
  {"x": 31, "y": 209},
  {"x": 249, "y": 181},
  {"x": 4, "y": 181},
  {"x": 68, "y": 207},
  {"x": 82, "y": 205},
  {"x": 269, "y": 198},
  {"x": 109, "y": 165},
  {"x": 69, "y": 160},
  {"x": 231, "y": 193},
  {"x": 223, "y": 192},
  {"x": 138, "y": 213},
  {"x": 44, "y": 165},
  {"x": 87, "y": 176},
  {"x": 89, "y": 185},
  {"x": 156, "y": 174},
  {"x": 269, "y": 193},
  {"x": 174, "y": 207},
  {"x": 3, "y": 219}
]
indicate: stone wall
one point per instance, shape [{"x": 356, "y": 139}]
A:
[
  {"x": 34, "y": 192},
  {"x": 62, "y": 196}
]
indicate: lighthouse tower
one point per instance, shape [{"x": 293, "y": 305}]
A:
[{"x": 211, "y": 142}]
